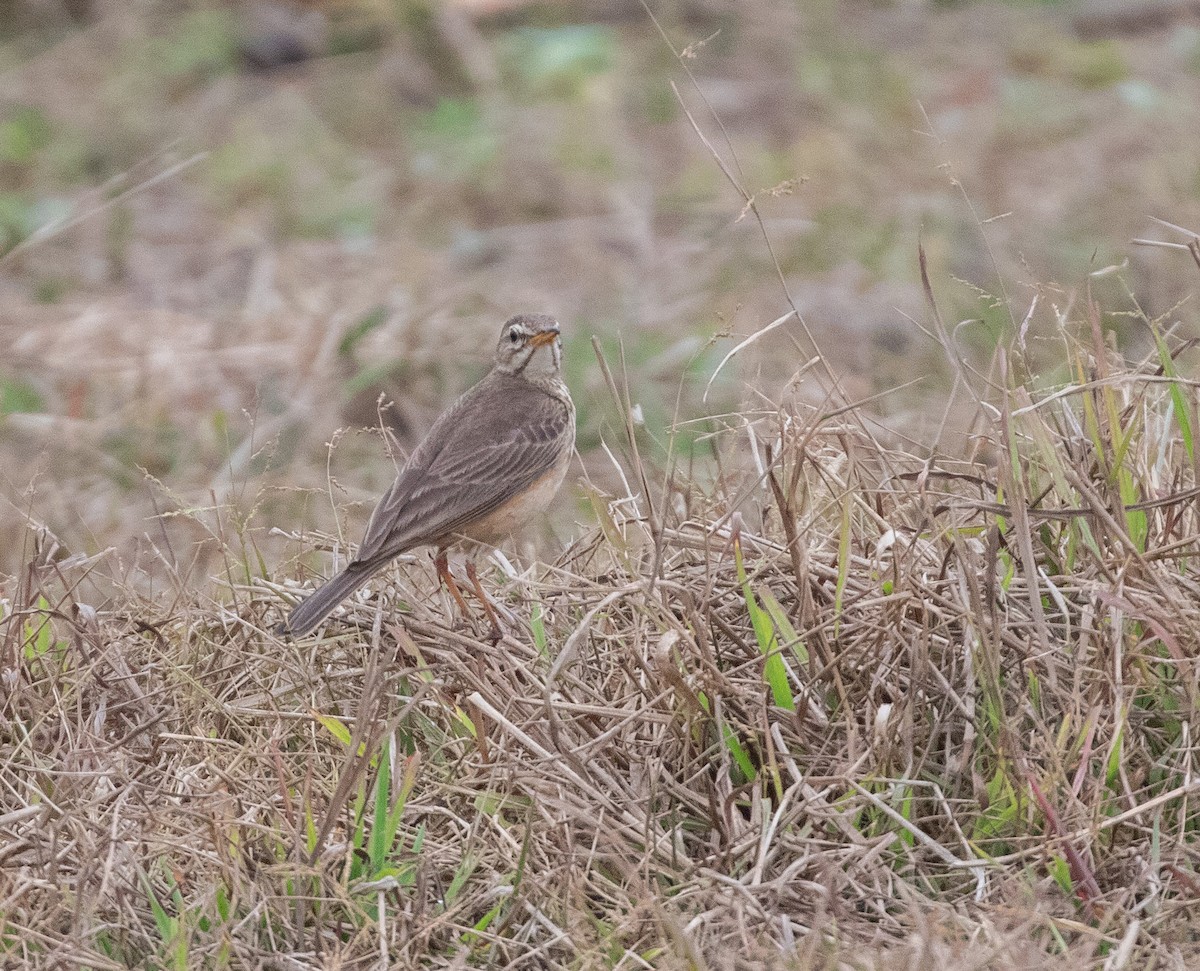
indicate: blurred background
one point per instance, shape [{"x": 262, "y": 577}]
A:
[{"x": 229, "y": 230}]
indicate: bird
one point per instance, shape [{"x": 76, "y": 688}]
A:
[{"x": 493, "y": 460}]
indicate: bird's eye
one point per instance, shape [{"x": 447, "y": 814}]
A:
[{"x": 514, "y": 335}]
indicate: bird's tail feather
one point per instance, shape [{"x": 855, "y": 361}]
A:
[{"x": 321, "y": 603}]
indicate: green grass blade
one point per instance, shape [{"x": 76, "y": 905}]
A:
[
  {"x": 377, "y": 845},
  {"x": 775, "y": 671}
]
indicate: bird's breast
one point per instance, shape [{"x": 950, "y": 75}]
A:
[{"x": 508, "y": 518}]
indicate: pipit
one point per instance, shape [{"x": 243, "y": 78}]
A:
[{"x": 493, "y": 460}]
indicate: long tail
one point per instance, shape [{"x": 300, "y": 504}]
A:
[{"x": 320, "y": 604}]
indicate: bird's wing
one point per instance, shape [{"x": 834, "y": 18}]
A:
[{"x": 498, "y": 439}]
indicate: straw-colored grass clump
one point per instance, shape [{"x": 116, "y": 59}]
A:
[{"x": 858, "y": 706}]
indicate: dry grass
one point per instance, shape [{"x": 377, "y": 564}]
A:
[
  {"x": 829, "y": 697},
  {"x": 863, "y": 706}
]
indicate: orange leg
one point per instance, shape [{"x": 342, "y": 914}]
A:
[
  {"x": 443, "y": 571},
  {"x": 497, "y": 633}
]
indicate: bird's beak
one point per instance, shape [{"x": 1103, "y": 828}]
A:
[{"x": 544, "y": 337}]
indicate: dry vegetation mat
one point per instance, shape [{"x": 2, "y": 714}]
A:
[{"x": 853, "y": 703}]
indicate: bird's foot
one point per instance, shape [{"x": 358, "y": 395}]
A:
[
  {"x": 495, "y": 632},
  {"x": 442, "y": 565}
]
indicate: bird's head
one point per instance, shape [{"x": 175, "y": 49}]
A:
[{"x": 529, "y": 345}]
